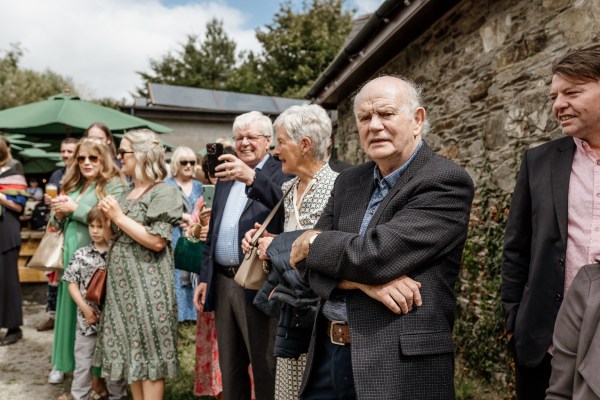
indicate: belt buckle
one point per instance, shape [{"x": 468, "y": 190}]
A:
[{"x": 332, "y": 325}]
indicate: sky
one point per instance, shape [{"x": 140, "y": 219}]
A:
[{"x": 101, "y": 44}]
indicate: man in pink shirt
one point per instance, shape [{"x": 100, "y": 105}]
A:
[{"x": 554, "y": 223}]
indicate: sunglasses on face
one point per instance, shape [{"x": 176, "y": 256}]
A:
[
  {"x": 122, "y": 152},
  {"x": 93, "y": 159},
  {"x": 186, "y": 162}
]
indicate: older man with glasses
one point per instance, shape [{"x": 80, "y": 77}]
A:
[{"x": 244, "y": 334}]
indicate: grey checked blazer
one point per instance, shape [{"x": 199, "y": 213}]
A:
[
  {"x": 418, "y": 230},
  {"x": 576, "y": 360}
]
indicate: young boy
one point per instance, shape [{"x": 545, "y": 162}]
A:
[{"x": 84, "y": 263}]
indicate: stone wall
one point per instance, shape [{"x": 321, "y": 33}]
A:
[{"x": 485, "y": 72}]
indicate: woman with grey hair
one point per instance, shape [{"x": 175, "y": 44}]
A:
[
  {"x": 303, "y": 134},
  {"x": 138, "y": 329},
  {"x": 183, "y": 163}
]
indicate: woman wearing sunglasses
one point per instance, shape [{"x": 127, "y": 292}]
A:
[
  {"x": 183, "y": 163},
  {"x": 90, "y": 176}
]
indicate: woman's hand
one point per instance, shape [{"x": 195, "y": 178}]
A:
[
  {"x": 186, "y": 221},
  {"x": 263, "y": 245},
  {"x": 248, "y": 238},
  {"x": 205, "y": 215},
  {"x": 63, "y": 205},
  {"x": 197, "y": 231},
  {"x": 111, "y": 208}
]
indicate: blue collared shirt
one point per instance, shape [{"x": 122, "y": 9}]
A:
[
  {"x": 227, "y": 246},
  {"x": 335, "y": 310}
]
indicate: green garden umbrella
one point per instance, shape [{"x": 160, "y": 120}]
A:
[
  {"x": 39, "y": 161},
  {"x": 64, "y": 114}
]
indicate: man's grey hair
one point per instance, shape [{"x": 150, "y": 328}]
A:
[
  {"x": 256, "y": 119},
  {"x": 413, "y": 93},
  {"x": 309, "y": 120}
]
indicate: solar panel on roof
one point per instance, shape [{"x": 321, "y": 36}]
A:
[{"x": 217, "y": 100}]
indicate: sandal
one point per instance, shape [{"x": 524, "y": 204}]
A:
[
  {"x": 97, "y": 396},
  {"x": 65, "y": 396}
]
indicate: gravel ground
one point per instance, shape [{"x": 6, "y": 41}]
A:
[{"x": 24, "y": 366}]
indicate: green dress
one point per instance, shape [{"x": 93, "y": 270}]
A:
[
  {"x": 137, "y": 337},
  {"x": 76, "y": 233}
]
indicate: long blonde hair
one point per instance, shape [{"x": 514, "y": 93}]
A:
[{"x": 108, "y": 169}]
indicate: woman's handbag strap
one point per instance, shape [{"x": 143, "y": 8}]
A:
[{"x": 267, "y": 220}]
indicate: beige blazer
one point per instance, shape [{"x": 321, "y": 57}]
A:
[{"x": 576, "y": 361}]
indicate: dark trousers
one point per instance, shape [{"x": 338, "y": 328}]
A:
[
  {"x": 245, "y": 335},
  {"x": 533, "y": 382},
  {"x": 51, "y": 295},
  {"x": 331, "y": 373}
]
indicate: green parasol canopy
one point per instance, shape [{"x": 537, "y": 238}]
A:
[{"x": 64, "y": 114}]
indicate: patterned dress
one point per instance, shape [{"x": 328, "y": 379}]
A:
[
  {"x": 183, "y": 284},
  {"x": 138, "y": 330},
  {"x": 289, "y": 371}
]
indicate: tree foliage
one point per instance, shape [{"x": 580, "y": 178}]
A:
[
  {"x": 207, "y": 63},
  {"x": 20, "y": 86},
  {"x": 296, "y": 48}
]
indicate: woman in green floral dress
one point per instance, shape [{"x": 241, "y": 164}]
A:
[{"x": 138, "y": 331}]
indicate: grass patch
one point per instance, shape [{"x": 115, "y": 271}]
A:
[{"x": 182, "y": 386}]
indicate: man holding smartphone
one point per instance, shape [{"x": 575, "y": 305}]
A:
[{"x": 245, "y": 335}]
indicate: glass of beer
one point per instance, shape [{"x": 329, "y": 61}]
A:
[{"x": 51, "y": 190}]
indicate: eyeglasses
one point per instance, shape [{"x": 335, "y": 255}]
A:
[
  {"x": 251, "y": 138},
  {"x": 122, "y": 152},
  {"x": 186, "y": 162},
  {"x": 93, "y": 159}
]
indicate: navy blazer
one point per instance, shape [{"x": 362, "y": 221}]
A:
[
  {"x": 535, "y": 244},
  {"x": 268, "y": 181}
]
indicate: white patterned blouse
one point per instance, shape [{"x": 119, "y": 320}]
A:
[{"x": 313, "y": 200}]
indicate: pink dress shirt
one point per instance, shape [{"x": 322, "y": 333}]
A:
[{"x": 583, "y": 240}]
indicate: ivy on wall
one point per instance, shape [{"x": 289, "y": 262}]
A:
[{"x": 482, "y": 345}]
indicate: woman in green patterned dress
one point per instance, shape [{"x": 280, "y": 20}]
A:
[
  {"x": 91, "y": 175},
  {"x": 138, "y": 331}
]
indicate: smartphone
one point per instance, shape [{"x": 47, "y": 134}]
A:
[
  {"x": 208, "y": 192},
  {"x": 213, "y": 152}
]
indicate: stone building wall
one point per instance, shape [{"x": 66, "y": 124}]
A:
[{"x": 485, "y": 72}]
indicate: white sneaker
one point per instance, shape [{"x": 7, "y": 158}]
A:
[{"x": 56, "y": 376}]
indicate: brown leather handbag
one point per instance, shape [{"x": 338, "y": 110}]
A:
[{"x": 97, "y": 287}]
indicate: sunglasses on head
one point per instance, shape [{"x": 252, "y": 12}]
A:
[
  {"x": 186, "y": 162},
  {"x": 93, "y": 159}
]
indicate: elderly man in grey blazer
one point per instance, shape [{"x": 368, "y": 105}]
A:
[{"x": 392, "y": 233}]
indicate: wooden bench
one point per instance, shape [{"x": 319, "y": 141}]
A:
[{"x": 29, "y": 243}]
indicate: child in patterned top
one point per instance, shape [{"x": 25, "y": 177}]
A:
[{"x": 84, "y": 263}]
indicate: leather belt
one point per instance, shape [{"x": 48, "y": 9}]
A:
[
  {"x": 338, "y": 332},
  {"x": 227, "y": 271}
]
